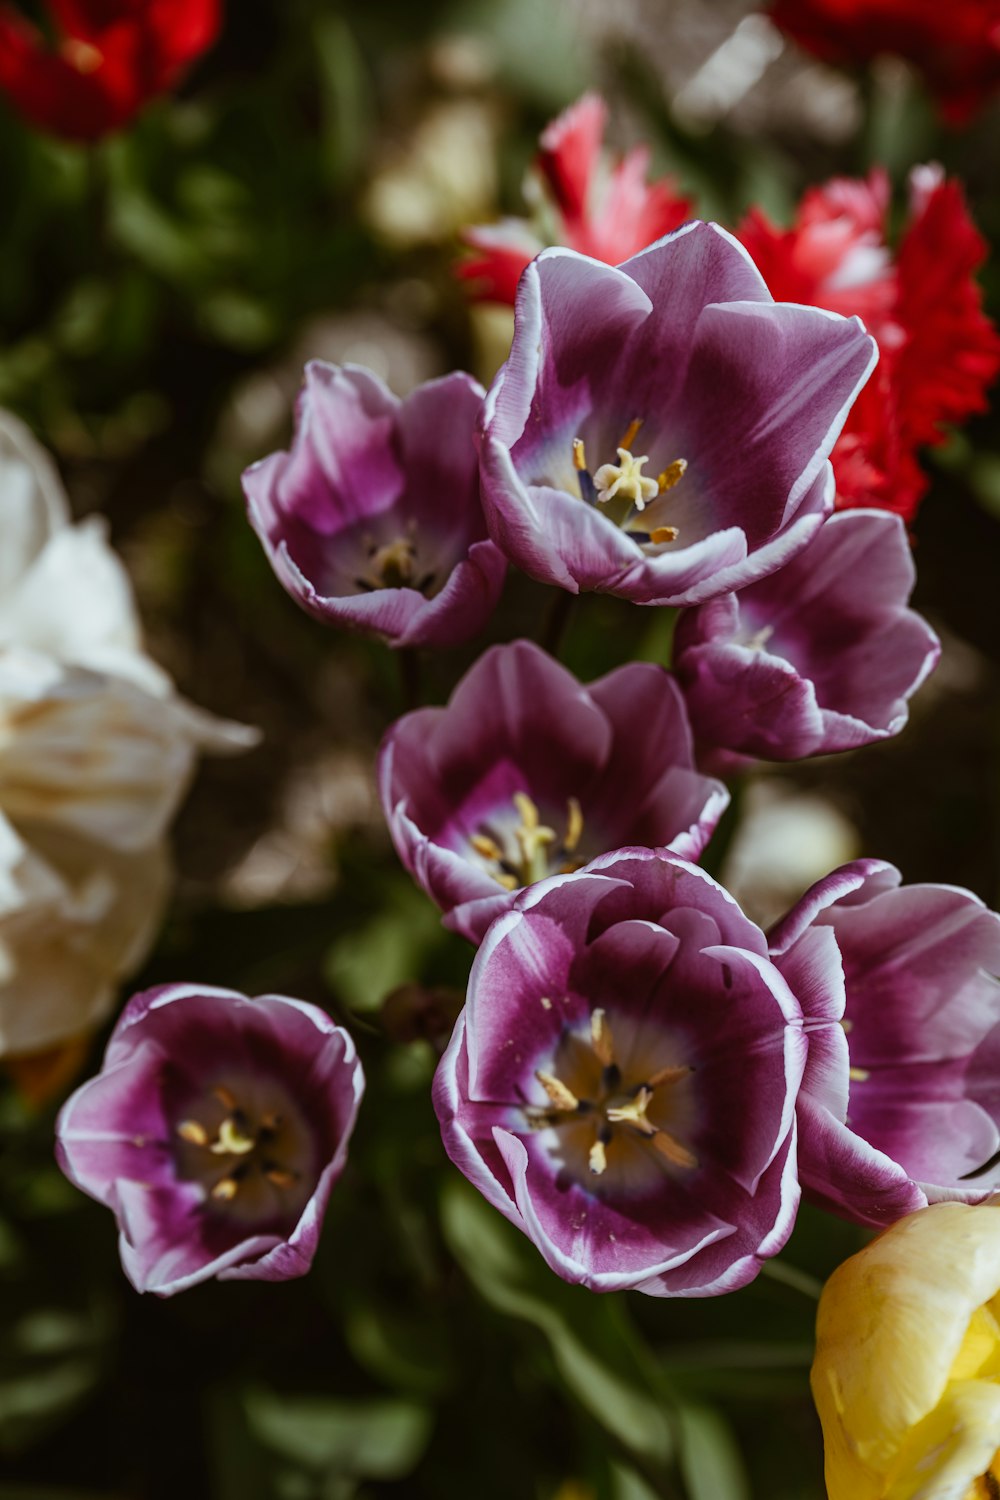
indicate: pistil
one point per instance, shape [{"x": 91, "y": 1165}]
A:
[
  {"x": 615, "y": 1108},
  {"x": 394, "y": 566},
  {"x": 242, "y": 1150},
  {"x": 622, "y": 490},
  {"x": 531, "y": 849}
]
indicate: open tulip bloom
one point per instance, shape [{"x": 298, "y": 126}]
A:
[
  {"x": 527, "y": 773},
  {"x": 621, "y": 1083},
  {"x": 214, "y": 1132},
  {"x": 822, "y": 655},
  {"x": 900, "y": 1102},
  {"x": 673, "y": 444},
  {"x": 373, "y": 520}
]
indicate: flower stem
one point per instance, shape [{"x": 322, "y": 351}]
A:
[
  {"x": 800, "y": 1281},
  {"x": 409, "y": 677},
  {"x": 558, "y": 619}
]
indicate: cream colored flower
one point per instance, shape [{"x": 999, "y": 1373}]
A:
[
  {"x": 907, "y": 1371},
  {"x": 96, "y": 751}
]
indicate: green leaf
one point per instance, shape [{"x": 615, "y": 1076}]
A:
[
  {"x": 710, "y": 1461},
  {"x": 373, "y": 1439},
  {"x": 597, "y": 1351}
]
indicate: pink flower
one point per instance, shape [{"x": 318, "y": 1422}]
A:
[
  {"x": 373, "y": 520},
  {"x": 214, "y": 1132},
  {"x": 621, "y": 1084},
  {"x": 527, "y": 773},
  {"x": 602, "y": 208}
]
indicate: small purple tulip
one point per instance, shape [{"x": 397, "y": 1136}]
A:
[
  {"x": 662, "y": 429},
  {"x": 621, "y": 1084},
  {"x": 900, "y": 1103},
  {"x": 822, "y": 655},
  {"x": 214, "y": 1132},
  {"x": 373, "y": 521},
  {"x": 527, "y": 773}
]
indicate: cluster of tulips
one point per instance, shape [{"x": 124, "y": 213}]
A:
[{"x": 642, "y": 1080}]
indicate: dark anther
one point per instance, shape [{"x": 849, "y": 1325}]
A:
[
  {"x": 362, "y": 583},
  {"x": 424, "y": 584},
  {"x": 583, "y": 1106},
  {"x": 992, "y": 1487},
  {"x": 611, "y": 1076},
  {"x": 604, "y": 1135}
]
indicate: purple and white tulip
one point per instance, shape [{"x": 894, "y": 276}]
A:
[
  {"x": 621, "y": 1084},
  {"x": 214, "y": 1132},
  {"x": 820, "y": 656},
  {"x": 900, "y": 1104},
  {"x": 373, "y": 520},
  {"x": 527, "y": 773},
  {"x": 662, "y": 429}
]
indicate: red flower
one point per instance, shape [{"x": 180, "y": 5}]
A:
[
  {"x": 602, "y": 208},
  {"x": 956, "y": 46},
  {"x": 108, "y": 59},
  {"x": 938, "y": 350}
]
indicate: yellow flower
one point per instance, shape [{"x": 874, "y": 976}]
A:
[{"x": 906, "y": 1377}]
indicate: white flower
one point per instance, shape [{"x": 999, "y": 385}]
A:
[{"x": 96, "y": 751}]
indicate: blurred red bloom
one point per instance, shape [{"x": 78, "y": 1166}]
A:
[
  {"x": 938, "y": 349},
  {"x": 603, "y": 208},
  {"x": 955, "y": 46},
  {"x": 107, "y": 58}
]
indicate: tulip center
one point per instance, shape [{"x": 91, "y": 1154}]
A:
[
  {"x": 520, "y": 853},
  {"x": 589, "y": 1094},
  {"x": 81, "y": 56},
  {"x": 622, "y": 491},
  {"x": 248, "y": 1153},
  {"x": 987, "y": 1486},
  {"x": 395, "y": 565}
]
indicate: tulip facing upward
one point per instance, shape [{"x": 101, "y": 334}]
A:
[
  {"x": 900, "y": 1104},
  {"x": 527, "y": 773},
  {"x": 373, "y": 520},
  {"x": 214, "y": 1132},
  {"x": 822, "y": 655},
  {"x": 662, "y": 429},
  {"x": 905, "y": 1377},
  {"x": 621, "y": 1084}
]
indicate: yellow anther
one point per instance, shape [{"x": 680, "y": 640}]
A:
[
  {"x": 598, "y": 1158},
  {"x": 574, "y": 826},
  {"x": 631, "y": 433},
  {"x": 673, "y": 1150},
  {"x": 231, "y": 1140},
  {"x": 226, "y": 1190},
  {"x": 667, "y": 1075},
  {"x": 392, "y": 565},
  {"x": 663, "y": 534},
  {"x": 671, "y": 475},
  {"x": 601, "y": 1039},
  {"x": 527, "y": 810},
  {"x": 561, "y": 1097},
  {"x": 280, "y": 1178},
  {"x": 579, "y": 456},
  {"x": 225, "y": 1098},
  {"x": 485, "y": 846},
  {"x": 858, "y": 1075},
  {"x": 192, "y": 1132},
  {"x": 625, "y": 480},
  {"x": 509, "y": 882}
]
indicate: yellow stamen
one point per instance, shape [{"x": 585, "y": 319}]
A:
[
  {"x": 528, "y": 811},
  {"x": 280, "y": 1178},
  {"x": 663, "y": 534},
  {"x": 232, "y": 1141},
  {"x": 485, "y": 846},
  {"x": 672, "y": 474},
  {"x": 225, "y": 1098},
  {"x": 226, "y": 1190},
  {"x": 509, "y": 882},
  {"x": 858, "y": 1075},
  {"x": 598, "y": 1158},
  {"x": 574, "y": 826},
  {"x": 192, "y": 1132},
  {"x": 81, "y": 56},
  {"x": 634, "y": 1112},
  {"x": 668, "y": 1075},
  {"x": 673, "y": 1150},
  {"x": 631, "y": 433},
  {"x": 601, "y": 1039},
  {"x": 579, "y": 456},
  {"x": 562, "y": 1098}
]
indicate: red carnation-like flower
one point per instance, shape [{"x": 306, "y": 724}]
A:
[
  {"x": 602, "y": 208},
  {"x": 938, "y": 349},
  {"x": 956, "y": 46},
  {"x": 107, "y": 59}
]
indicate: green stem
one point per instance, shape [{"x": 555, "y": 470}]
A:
[
  {"x": 409, "y": 677},
  {"x": 799, "y": 1281},
  {"x": 558, "y": 619}
]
